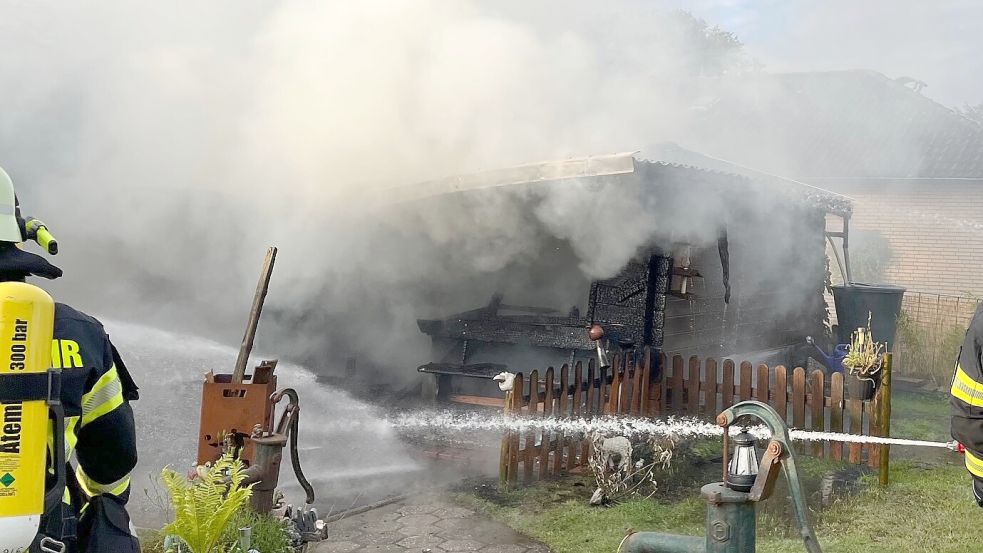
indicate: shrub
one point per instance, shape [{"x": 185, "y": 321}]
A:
[
  {"x": 205, "y": 506},
  {"x": 926, "y": 352}
]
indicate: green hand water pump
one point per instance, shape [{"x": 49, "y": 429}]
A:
[{"x": 731, "y": 517}]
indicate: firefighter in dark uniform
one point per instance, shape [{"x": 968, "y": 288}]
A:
[
  {"x": 967, "y": 401},
  {"x": 99, "y": 427}
]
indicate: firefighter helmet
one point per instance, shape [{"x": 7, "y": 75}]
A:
[{"x": 10, "y": 230}]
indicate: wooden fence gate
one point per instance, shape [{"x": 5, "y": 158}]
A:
[{"x": 635, "y": 386}]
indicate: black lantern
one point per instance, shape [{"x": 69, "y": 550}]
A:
[{"x": 743, "y": 468}]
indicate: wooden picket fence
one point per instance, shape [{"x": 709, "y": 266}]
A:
[{"x": 635, "y": 386}]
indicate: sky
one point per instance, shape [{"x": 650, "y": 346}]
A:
[
  {"x": 935, "y": 42},
  {"x": 938, "y": 43}
]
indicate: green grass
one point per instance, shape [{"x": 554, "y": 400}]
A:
[
  {"x": 558, "y": 514},
  {"x": 920, "y": 416},
  {"x": 924, "y": 509}
]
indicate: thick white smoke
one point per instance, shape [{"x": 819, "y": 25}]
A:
[{"x": 169, "y": 143}]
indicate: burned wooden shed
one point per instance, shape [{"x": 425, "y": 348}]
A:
[{"x": 729, "y": 262}]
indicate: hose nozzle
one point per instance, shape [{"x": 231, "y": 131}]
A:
[
  {"x": 956, "y": 446},
  {"x": 38, "y": 231}
]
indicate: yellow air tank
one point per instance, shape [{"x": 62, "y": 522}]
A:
[{"x": 27, "y": 315}]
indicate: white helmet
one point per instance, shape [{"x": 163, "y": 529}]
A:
[{"x": 9, "y": 228}]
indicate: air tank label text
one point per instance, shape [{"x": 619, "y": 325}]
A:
[
  {"x": 18, "y": 346},
  {"x": 10, "y": 438}
]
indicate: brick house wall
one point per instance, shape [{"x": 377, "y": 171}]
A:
[{"x": 934, "y": 227}]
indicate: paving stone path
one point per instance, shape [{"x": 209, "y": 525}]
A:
[{"x": 424, "y": 525}]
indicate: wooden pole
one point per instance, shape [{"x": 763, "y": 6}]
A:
[
  {"x": 503, "y": 463},
  {"x": 885, "y": 417},
  {"x": 846, "y": 250},
  {"x": 257, "y": 309}
]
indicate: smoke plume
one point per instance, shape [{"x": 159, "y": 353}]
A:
[{"x": 168, "y": 144}]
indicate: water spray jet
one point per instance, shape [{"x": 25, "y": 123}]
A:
[
  {"x": 237, "y": 402},
  {"x": 731, "y": 514},
  {"x": 677, "y": 427}
]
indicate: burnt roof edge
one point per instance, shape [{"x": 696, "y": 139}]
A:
[
  {"x": 542, "y": 171},
  {"x": 611, "y": 164}
]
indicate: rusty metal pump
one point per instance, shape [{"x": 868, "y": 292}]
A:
[
  {"x": 731, "y": 518},
  {"x": 269, "y": 444},
  {"x": 237, "y": 413}
]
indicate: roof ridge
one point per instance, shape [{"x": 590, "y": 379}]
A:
[{"x": 893, "y": 81}]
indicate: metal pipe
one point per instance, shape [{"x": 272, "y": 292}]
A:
[
  {"x": 654, "y": 542},
  {"x": 245, "y": 538},
  {"x": 731, "y": 527},
  {"x": 265, "y": 471}
]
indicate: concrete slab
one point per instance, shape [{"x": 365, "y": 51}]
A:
[{"x": 426, "y": 524}]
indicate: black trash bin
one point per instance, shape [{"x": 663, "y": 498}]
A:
[{"x": 855, "y": 301}]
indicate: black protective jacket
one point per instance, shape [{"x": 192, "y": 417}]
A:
[
  {"x": 99, "y": 431},
  {"x": 967, "y": 399}
]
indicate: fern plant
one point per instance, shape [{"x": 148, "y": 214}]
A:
[{"x": 204, "y": 507}]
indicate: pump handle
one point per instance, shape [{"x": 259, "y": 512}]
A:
[
  {"x": 784, "y": 454},
  {"x": 289, "y": 423}
]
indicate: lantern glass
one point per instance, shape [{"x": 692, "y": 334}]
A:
[{"x": 743, "y": 468}]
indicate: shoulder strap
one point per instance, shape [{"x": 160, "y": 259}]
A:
[{"x": 30, "y": 387}]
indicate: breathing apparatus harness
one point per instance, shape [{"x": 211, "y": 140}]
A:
[{"x": 30, "y": 398}]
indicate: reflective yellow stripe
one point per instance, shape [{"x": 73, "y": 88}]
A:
[
  {"x": 71, "y": 438},
  {"x": 974, "y": 464},
  {"x": 105, "y": 395},
  {"x": 965, "y": 389},
  {"x": 93, "y": 488}
]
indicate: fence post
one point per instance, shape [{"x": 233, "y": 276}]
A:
[
  {"x": 799, "y": 403},
  {"x": 639, "y": 384},
  {"x": 530, "y": 449},
  {"x": 645, "y": 410},
  {"x": 746, "y": 370},
  {"x": 693, "y": 387},
  {"x": 781, "y": 392},
  {"x": 560, "y": 412},
  {"x": 836, "y": 416},
  {"x": 885, "y": 417},
  {"x": 513, "y": 435},
  {"x": 727, "y": 395},
  {"x": 589, "y": 410},
  {"x": 615, "y": 395},
  {"x": 677, "y": 383},
  {"x": 817, "y": 381},
  {"x": 627, "y": 392},
  {"x": 855, "y": 410},
  {"x": 710, "y": 391},
  {"x": 546, "y": 440},
  {"x": 661, "y": 384},
  {"x": 503, "y": 461},
  {"x": 578, "y": 378}
]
